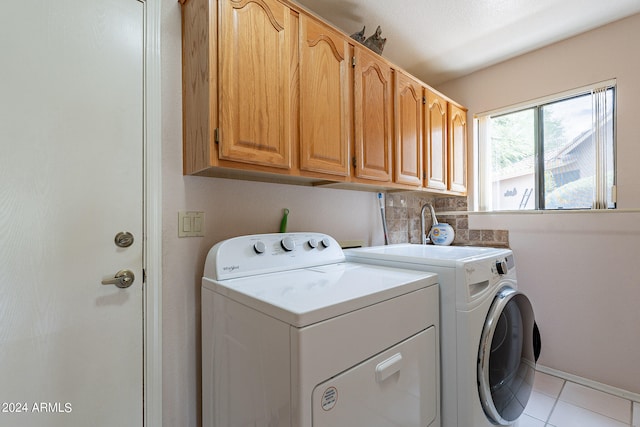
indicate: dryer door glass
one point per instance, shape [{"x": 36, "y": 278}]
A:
[{"x": 506, "y": 361}]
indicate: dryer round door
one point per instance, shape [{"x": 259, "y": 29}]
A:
[{"x": 507, "y": 357}]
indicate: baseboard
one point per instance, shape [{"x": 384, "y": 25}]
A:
[{"x": 590, "y": 383}]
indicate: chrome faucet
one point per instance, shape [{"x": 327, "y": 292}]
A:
[{"x": 434, "y": 221}]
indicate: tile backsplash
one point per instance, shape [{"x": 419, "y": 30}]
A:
[{"x": 403, "y": 219}]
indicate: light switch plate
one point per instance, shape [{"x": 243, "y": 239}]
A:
[{"x": 190, "y": 224}]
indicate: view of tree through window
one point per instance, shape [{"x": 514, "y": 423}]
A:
[{"x": 557, "y": 155}]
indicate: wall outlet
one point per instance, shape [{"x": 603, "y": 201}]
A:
[{"x": 190, "y": 224}]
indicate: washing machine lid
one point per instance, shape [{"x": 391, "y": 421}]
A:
[
  {"x": 444, "y": 256},
  {"x": 305, "y": 296}
]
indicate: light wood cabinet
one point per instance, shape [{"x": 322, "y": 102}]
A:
[
  {"x": 446, "y": 145},
  {"x": 255, "y": 82},
  {"x": 409, "y": 130},
  {"x": 326, "y": 124},
  {"x": 237, "y": 54},
  {"x": 435, "y": 159},
  {"x": 199, "y": 91},
  {"x": 373, "y": 113},
  {"x": 457, "y": 149},
  {"x": 272, "y": 93}
]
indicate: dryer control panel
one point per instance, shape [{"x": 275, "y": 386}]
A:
[{"x": 267, "y": 253}]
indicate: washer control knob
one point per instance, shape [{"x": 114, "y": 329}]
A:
[
  {"x": 502, "y": 267},
  {"x": 313, "y": 243},
  {"x": 288, "y": 244},
  {"x": 326, "y": 242},
  {"x": 259, "y": 247}
]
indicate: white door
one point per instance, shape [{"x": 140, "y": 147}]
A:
[{"x": 71, "y": 178}]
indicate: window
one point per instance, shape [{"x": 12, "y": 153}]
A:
[{"x": 556, "y": 153}]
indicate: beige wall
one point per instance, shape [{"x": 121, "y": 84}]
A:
[
  {"x": 232, "y": 208},
  {"x": 579, "y": 269}
]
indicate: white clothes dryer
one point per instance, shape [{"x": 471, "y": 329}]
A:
[
  {"x": 489, "y": 340},
  {"x": 292, "y": 335}
]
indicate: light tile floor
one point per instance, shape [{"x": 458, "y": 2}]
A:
[{"x": 555, "y": 402}]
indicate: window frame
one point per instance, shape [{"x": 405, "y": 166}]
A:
[{"x": 482, "y": 174}]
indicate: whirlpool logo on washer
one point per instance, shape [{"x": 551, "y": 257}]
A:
[{"x": 231, "y": 268}]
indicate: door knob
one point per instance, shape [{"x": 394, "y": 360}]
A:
[{"x": 122, "y": 279}]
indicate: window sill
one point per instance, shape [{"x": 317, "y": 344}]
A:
[
  {"x": 554, "y": 212},
  {"x": 561, "y": 221}
]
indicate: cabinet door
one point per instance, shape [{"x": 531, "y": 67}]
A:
[
  {"x": 254, "y": 87},
  {"x": 325, "y": 99},
  {"x": 408, "y": 124},
  {"x": 436, "y": 142},
  {"x": 457, "y": 149},
  {"x": 373, "y": 111}
]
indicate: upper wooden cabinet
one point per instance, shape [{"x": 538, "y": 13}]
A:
[
  {"x": 237, "y": 54},
  {"x": 255, "y": 82},
  {"x": 435, "y": 158},
  {"x": 373, "y": 114},
  {"x": 457, "y": 149},
  {"x": 326, "y": 125},
  {"x": 199, "y": 85},
  {"x": 271, "y": 92},
  {"x": 409, "y": 130}
]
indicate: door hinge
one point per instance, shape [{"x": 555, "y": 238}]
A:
[
  {"x": 353, "y": 61},
  {"x": 424, "y": 100},
  {"x": 353, "y": 161},
  {"x": 216, "y": 135},
  {"x": 144, "y": 276}
]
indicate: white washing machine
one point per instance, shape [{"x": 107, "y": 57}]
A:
[
  {"x": 292, "y": 335},
  {"x": 489, "y": 339}
]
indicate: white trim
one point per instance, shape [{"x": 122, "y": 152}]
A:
[
  {"x": 590, "y": 383},
  {"x": 153, "y": 217},
  {"x": 546, "y": 99},
  {"x": 548, "y": 212},
  {"x": 481, "y": 135}
]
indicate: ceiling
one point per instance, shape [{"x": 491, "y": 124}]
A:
[{"x": 439, "y": 40}]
